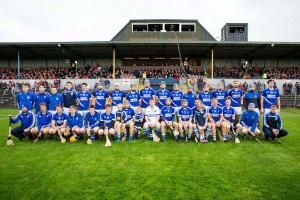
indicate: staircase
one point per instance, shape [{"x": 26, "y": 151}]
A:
[{"x": 287, "y": 101}]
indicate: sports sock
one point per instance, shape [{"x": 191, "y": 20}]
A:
[
  {"x": 146, "y": 131},
  {"x": 214, "y": 137},
  {"x": 157, "y": 132},
  {"x": 208, "y": 130},
  {"x": 130, "y": 136},
  {"x": 189, "y": 136}
]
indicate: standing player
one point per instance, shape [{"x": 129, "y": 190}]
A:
[
  {"x": 129, "y": 115},
  {"x": 74, "y": 122},
  {"x": 100, "y": 96},
  {"x": 41, "y": 97},
  {"x": 167, "y": 118},
  {"x": 27, "y": 122},
  {"x": 134, "y": 97},
  {"x": 249, "y": 121},
  {"x": 152, "y": 116},
  {"x": 190, "y": 96},
  {"x": 270, "y": 96},
  {"x": 116, "y": 97},
  {"x": 59, "y": 123},
  {"x": 215, "y": 117},
  {"x": 220, "y": 94},
  {"x": 206, "y": 97},
  {"x": 147, "y": 93},
  {"x": 44, "y": 119},
  {"x": 54, "y": 99},
  {"x": 107, "y": 122},
  {"x": 25, "y": 98},
  {"x": 69, "y": 96},
  {"x": 176, "y": 97},
  {"x": 84, "y": 98},
  {"x": 185, "y": 116},
  {"x": 91, "y": 123},
  {"x": 252, "y": 97},
  {"x": 162, "y": 95},
  {"x": 236, "y": 95}
]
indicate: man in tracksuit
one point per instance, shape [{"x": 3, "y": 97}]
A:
[
  {"x": 252, "y": 97},
  {"x": 273, "y": 125},
  {"x": 27, "y": 122},
  {"x": 41, "y": 97},
  {"x": 69, "y": 97},
  {"x": 25, "y": 98},
  {"x": 190, "y": 96},
  {"x": 249, "y": 121}
]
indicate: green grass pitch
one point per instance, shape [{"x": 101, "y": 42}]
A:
[{"x": 147, "y": 170}]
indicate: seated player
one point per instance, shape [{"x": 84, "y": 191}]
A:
[
  {"x": 273, "y": 125},
  {"x": 152, "y": 116},
  {"x": 185, "y": 116},
  {"x": 91, "y": 123},
  {"x": 229, "y": 121},
  {"x": 249, "y": 121},
  {"x": 120, "y": 120},
  {"x": 44, "y": 119},
  {"x": 59, "y": 124},
  {"x": 27, "y": 120},
  {"x": 201, "y": 123},
  {"x": 215, "y": 117},
  {"x": 129, "y": 114},
  {"x": 107, "y": 121},
  {"x": 138, "y": 122},
  {"x": 74, "y": 122},
  {"x": 167, "y": 118}
]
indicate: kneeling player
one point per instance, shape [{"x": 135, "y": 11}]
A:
[
  {"x": 215, "y": 117},
  {"x": 59, "y": 123},
  {"x": 138, "y": 122},
  {"x": 249, "y": 122},
  {"x": 152, "y": 116},
  {"x": 167, "y": 118},
  {"x": 185, "y": 116},
  {"x": 119, "y": 123},
  {"x": 200, "y": 121},
  {"x": 91, "y": 123},
  {"x": 107, "y": 122},
  {"x": 74, "y": 123}
]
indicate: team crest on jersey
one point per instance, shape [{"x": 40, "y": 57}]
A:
[
  {"x": 28, "y": 97},
  {"x": 56, "y": 99}
]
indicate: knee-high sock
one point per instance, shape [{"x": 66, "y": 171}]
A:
[{"x": 196, "y": 133}]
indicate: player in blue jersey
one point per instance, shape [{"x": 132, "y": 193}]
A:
[
  {"x": 116, "y": 97},
  {"x": 74, "y": 123},
  {"x": 54, "y": 99},
  {"x": 220, "y": 94},
  {"x": 120, "y": 122},
  {"x": 129, "y": 123},
  {"x": 176, "y": 97},
  {"x": 215, "y": 117},
  {"x": 27, "y": 120},
  {"x": 69, "y": 96},
  {"x": 138, "y": 122},
  {"x": 41, "y": 97},
  {"x": 249, "y": 121},
  {"x": 229, "y": 121},
  {"x": 59, "y": 124},
  {"x": 107, "y": 122},
  {"x": 236, "y": 95},
  {"x": 270, "y": 96},
  {"x": 147, "y": 93},
  {"x": 206, "y": 97},
  {"x": 185, "y": 117},
  {"x": 201, "y": 122},
  {"x": 190, "y": 96},
  {"x": 100, "y": 97},
  {"x": 84, "y": 100},
  {"x": 91, "y": 123},
  {"x": 25, "y": 98},
  {"x": 134, "y": 97},
  {"x": 44, "y": 119},
  {"x": 167, "y": 118},
  {"x": 162, "y": 95}
]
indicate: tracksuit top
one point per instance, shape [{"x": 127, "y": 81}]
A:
[
  {"x": 273, "y": 121},
  {"x": 251, "y": 97},
  {"x": 55, "y": 99},
  {"x": 69, "y": 97},
  {"x": 191, "y": 97},
  {"x": 250, "y": 119},
  {"x": 26, "y": 99},
  {"x": 27, "y": 119},
  {"x": 41, "y": 98}
]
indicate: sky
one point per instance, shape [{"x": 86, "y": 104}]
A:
[{"x": 98, "y": 20}]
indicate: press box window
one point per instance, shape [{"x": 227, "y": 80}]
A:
[
  {"x": 172, "y": 27},
  {"x": 155, "y": 27},
  {"x": 188, "y": 28},
  {"x": 139, "y": 28}
]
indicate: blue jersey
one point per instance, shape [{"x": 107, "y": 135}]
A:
[
  {"x": 55, "y": 99},
  {"x": 26, "y": 99},
  {"x": 26, "y": 118},
  {"x": 221, "y": 96},
  {"x": 191, "y": 97},
  {"x": 91, "y": 120},
  {"x": 69, "y": 97},
  {"x": 41, "y": 98},
  {"x": 185, "y": 114},
  {"x": 205, "y": 98},
  {"x": 129, "y": 113},
  {"x": 59, "y": 119},
  {"x": 250, "y": 119},
  {"x": 167, "y": 113},
  {"x": 43, "y": 120},
  {"x": 147, "y": 94},
  {"x": 117, "y": 97},
  {"x": 270, "y": 97},
  {"x": 75, "y": 120},
  {"x": 107, "y": 119},
  {"x": 235, "y": 95},
  {"x": 161, "y": 96},
  {"x": 84, "y": 100},
  {"x": 176, "y": 98},
  {"x": 101, "y": 96},
  {"x": 215, "y": 113},
  {"x": 228, "y": 113},
  {"x": 133, "y": 98}
]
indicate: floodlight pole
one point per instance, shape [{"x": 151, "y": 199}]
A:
[
  {"x": 114, "y": 63},
  {"x": 19, "y": 75},
  {"x": 212, "y": 63}
]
